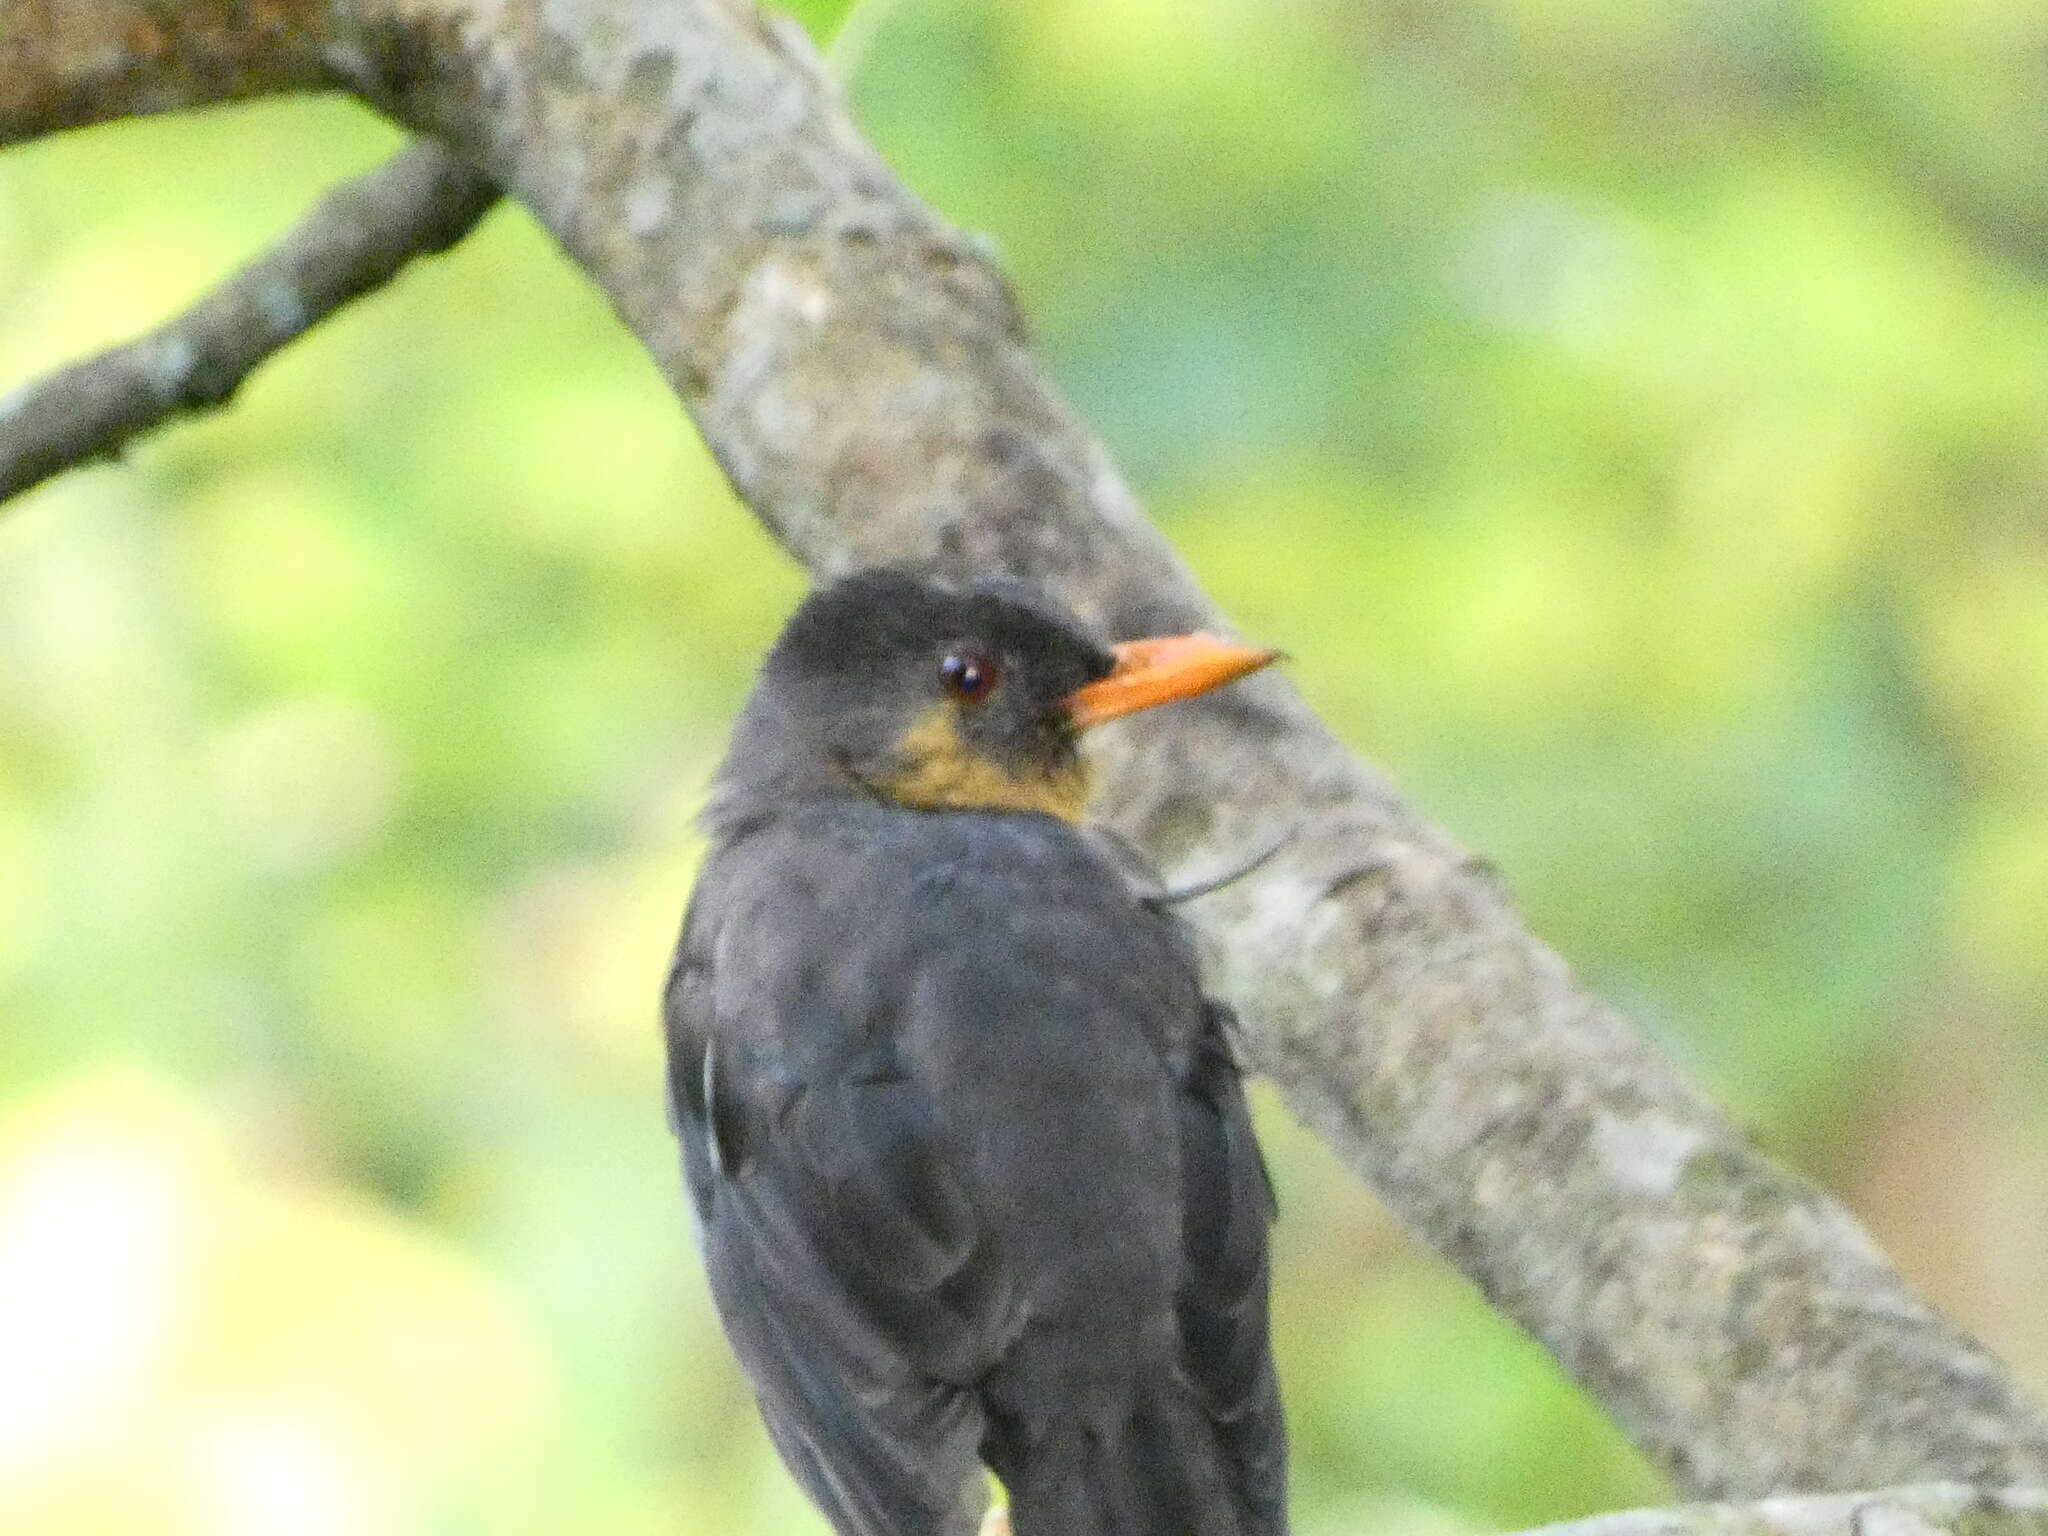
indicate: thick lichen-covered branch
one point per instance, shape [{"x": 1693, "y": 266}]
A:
[
  {"x": 355, "y": 239},
  {"x": 863, "y": 374},
  {"x": 1927, "y": 1509},
  {"x": 66, "y": 63}
]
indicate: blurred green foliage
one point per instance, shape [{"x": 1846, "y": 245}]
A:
[{"x": 1632, "y": 418}]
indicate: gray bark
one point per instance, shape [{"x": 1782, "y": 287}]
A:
[{"x": 1928, "y": 1509}]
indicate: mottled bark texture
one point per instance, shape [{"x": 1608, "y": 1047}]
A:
[
  {"x": 1926, "y": 1509},
  {"x": 862, "y": 373},
  {"x": 354, "y": 239},
  {"x": 65, "y": 63}
]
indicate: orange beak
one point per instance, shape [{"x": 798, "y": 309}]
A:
[{"x": 1160, "y": 670}]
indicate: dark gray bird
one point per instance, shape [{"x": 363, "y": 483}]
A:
[{"x": 969, "y": 1154}]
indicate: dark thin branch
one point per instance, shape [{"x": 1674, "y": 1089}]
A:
[{"x": 355, "y": 239}]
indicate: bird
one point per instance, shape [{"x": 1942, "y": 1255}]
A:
[{"x": 966, "y": 1145}]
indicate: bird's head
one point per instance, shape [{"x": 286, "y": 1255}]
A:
[{"x": 943, "y": 699}]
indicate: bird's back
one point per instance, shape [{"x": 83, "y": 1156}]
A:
[{"x": 975, "y": 1177}]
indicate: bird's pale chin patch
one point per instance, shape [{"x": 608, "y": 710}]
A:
[{"x": 937, "y": 771}]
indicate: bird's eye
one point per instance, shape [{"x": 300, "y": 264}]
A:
[{"x": 967, "y": 676}]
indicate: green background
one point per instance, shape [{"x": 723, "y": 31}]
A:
[{"x": 1632, "y": 418}]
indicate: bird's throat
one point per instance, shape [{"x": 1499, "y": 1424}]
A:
[{"x": 936, "y": 770}]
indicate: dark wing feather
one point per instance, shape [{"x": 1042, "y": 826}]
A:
[
  {"x": 1227, "y": 1207},
  {"x": 847, "y": 1261}
]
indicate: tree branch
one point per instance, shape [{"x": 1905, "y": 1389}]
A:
[
  {"x": 355, "y": 239},
  {"x": 1925, "y": 1509},
  {"x": 66, "y": 63},
  {"x": 861, "y": 372}
]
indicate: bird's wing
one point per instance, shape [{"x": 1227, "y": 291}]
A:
[
  {"x": 1227, "y": 1210},
  {"x": 1227, "y": 1206},
  {"x": 851, "y": 1271}
]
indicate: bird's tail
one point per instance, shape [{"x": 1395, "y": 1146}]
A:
[{"x": 1157, "y": 1473}]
